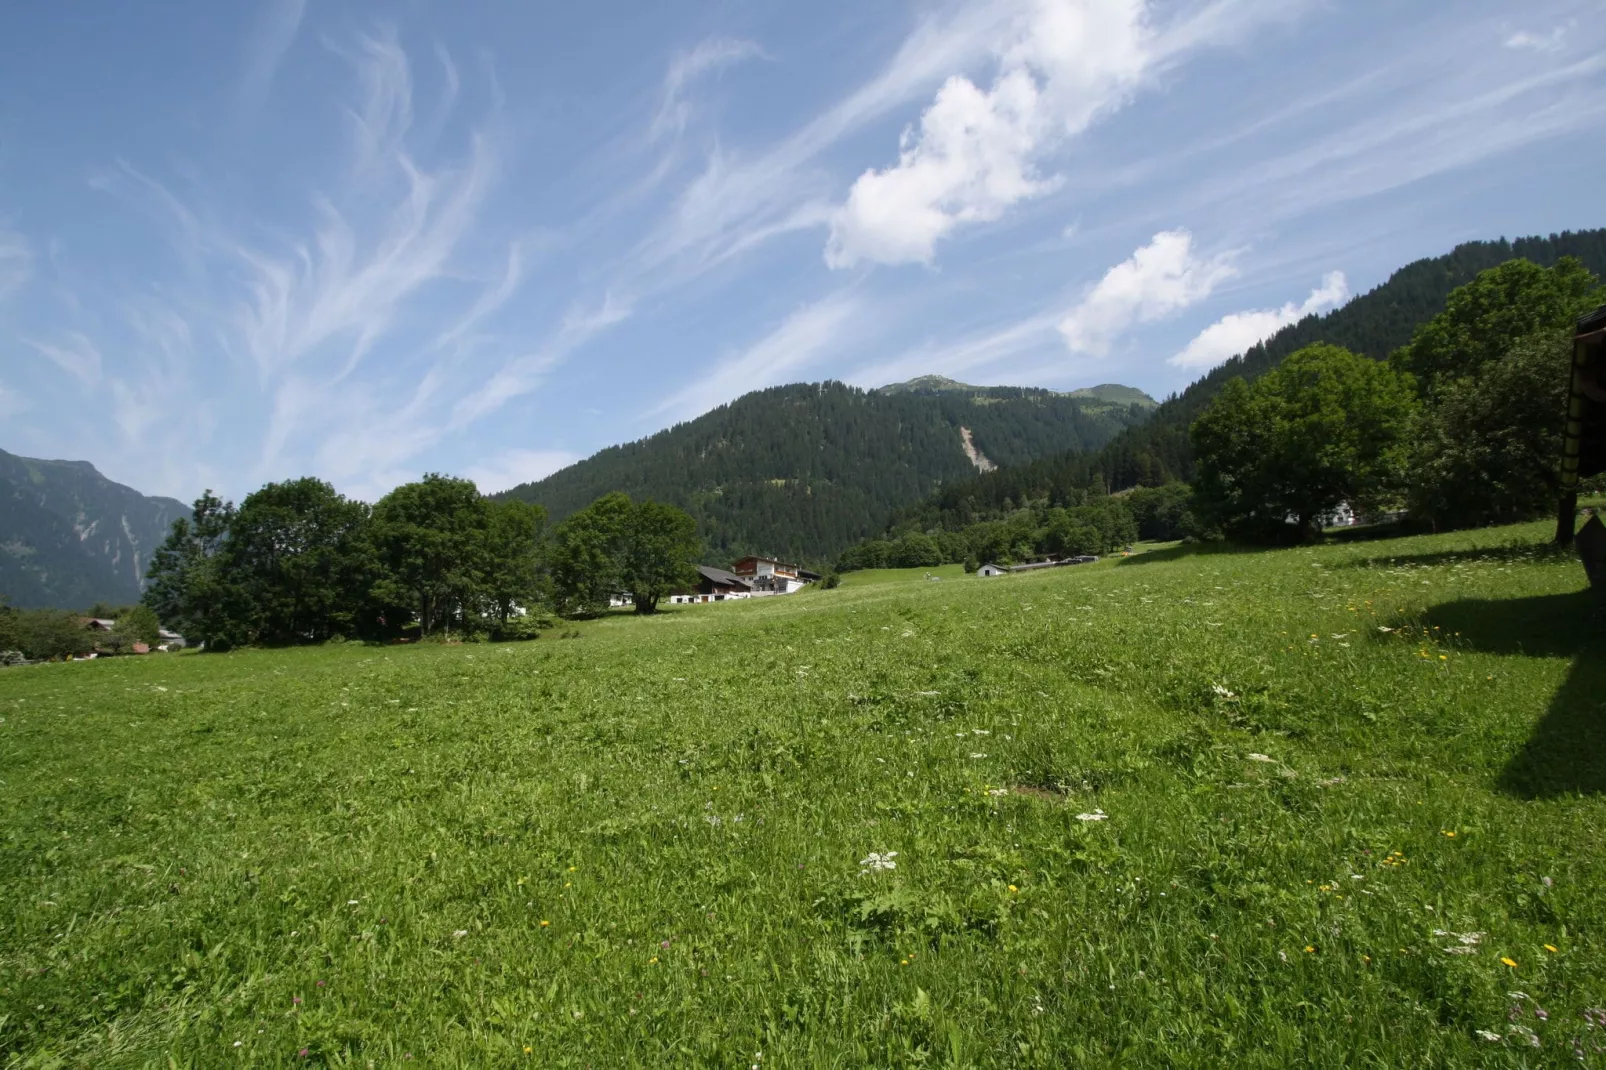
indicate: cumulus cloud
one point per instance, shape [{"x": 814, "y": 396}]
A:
[
  {"x": 1163, "y": 277},
  {"x": 1233, "y": 334},
  {"x": 977, "y": 151}
]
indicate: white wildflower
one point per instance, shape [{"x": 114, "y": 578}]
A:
[
  {"x": 1260, "y": 757},
  {"x": 998, "y": 791},
  {"x": 1493, "y": 1038},
  {"x": 1096, "y": 815},
  {"x": 1223, "y": 692},
  {"x": 878, "y": 861},
  {"x": 977, "y": 754},
  {"x": 459, "y": 934}
]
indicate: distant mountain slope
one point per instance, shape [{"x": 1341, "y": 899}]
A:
[
  {"x": 803, "y": 471},
  {"x": 70, "y": 537},
  {"x": 1116, "y": 394},
  {"x": 1374, "y": 324}
]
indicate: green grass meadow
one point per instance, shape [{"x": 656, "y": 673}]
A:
[{"x": 1329, "y": 807}]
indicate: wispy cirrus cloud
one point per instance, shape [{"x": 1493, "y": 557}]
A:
[
  {"x": 708, "y": 57},
  {"x": 513, "y": 467},
  {"x": 74, "y": 354},
  {"x": 16, "y": 261},
  {"x": 1552, "y": 41},
  {"x": 1236, "y": 332},
  {"x": 277, "y": 24},
  {"x": 779, "y": 357}
]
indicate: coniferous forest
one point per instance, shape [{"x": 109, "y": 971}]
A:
[
  {"x": 1159, "y": 451},
  {"x": 804, "y": 471}
]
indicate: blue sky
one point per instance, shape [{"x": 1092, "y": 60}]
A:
[{"x": 245, "y": 242}]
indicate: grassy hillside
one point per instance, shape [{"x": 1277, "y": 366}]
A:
[
  {"x": 1321, "y": 807},
  {"x": 806, "y": 470}
]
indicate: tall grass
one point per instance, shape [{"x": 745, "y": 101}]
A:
[{"x": 1338, "y": 806}]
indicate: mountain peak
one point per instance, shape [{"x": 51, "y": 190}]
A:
[{"x": 930, "y": 384}]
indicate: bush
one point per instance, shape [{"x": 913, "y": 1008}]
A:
[
  {"x": 518, "y": 629},
  {"x": 43, "y": 634}
]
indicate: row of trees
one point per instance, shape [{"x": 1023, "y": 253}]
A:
[
  {"x": 298, "y": 562},
  {"x": 1097, "y": 526},
  {"x": 1460, "y": 427}
]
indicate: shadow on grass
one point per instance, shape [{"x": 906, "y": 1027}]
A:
[
  {"x": 1192, "y": 549},
  {"x": 1566, "y": 754},
  {"x": 1524, "y": 552}
]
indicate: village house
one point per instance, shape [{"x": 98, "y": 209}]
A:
[
  {"x": 767, "y": 575},
  {"x": 751, "y": 577}
]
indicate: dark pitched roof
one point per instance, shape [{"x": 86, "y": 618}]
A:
[
  {"x": 721, "y": 577},
  {"x": 1592, "y": 321}
]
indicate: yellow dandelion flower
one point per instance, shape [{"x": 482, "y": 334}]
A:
[
  {"x": 528, "y": 1049},
  {"x": 544, "y": 924},
  {"x": 1309, "y": 950},
  {"x": 1552, "y": 948},
  {"x": 652, "y": 960},
  {"x": 1508, "y": 962},
  {"x": 1012, "y": 888}
]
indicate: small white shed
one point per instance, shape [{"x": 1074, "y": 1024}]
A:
[{"x": 991, "y": 569}]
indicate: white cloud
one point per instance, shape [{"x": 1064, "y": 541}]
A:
[
  {"x": 976, "y": 152},
  {"x": 709, "y": 56},
  {"x": 271, "y": 37},
  {"x": 76, "y": 355},
  {"x": 1232, "y": 334},
  {"x": 516, "y": 466},
  {"x": 16, "y": 260},
  {"x": 1161, "y": 278},
  {"x": 11, "y": 402},
  {"x": 773, "y": 360},
  {"x": 1540, "y": 42}
]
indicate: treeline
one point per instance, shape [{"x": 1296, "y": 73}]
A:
[
  {"x": 803, "y": 471},
  {"x": 1160, "y": 450},
  {"x": 46, "y": 634},
  {"x": 1097, "y": 524},
  {"x": 1460, "y": 427},
  {"x": 297, "y": 562}
]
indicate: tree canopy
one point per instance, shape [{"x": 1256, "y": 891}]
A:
[{"x": 1323, "y": 428}]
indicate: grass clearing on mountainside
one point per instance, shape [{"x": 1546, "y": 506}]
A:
[{"x": 1338, "y": 806}]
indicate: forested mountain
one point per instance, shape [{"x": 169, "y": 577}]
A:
[
  {"x": 1374, "y": 325},
  {"x": 806, "y": 470},
  {"x": 70, "y": 537}
]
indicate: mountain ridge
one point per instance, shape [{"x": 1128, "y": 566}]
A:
[
  {"x": 807, "y": 469},
  {"x": 70, "y": 537}
]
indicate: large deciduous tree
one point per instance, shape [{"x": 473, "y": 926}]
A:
[
  {"x": 587, "y": 554},
  {"x": 1484, "y": 319},
  {"x": 1488, "y": 450},
  {"x": 660, "y": 548},
  {"x": 298, "y": 552},
  {"x": 430, "y": 537},
  {"x": 515, "y": 540},
  {"x": 1323, "y": 428},
  {"x": 188, "y": 586}
]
